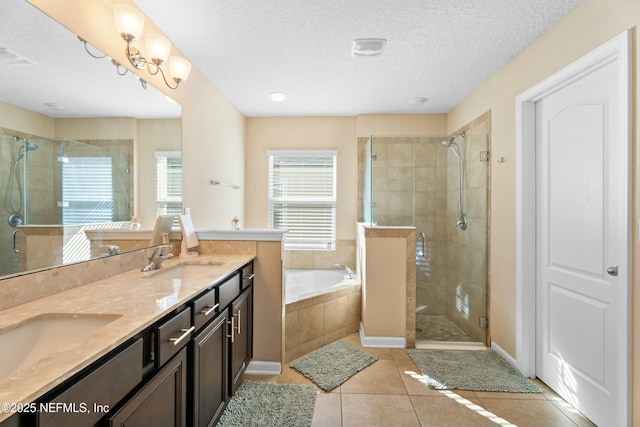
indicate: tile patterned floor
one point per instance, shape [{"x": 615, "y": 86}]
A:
[
  {"x": 389, "y": 393},
  {"x": 430, "y": 327}
]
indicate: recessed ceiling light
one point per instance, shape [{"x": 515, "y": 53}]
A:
[
  {"x": 368, "y": 47},
  {"x": 418, "y": 100},
  {"x": 277, "y": 96}
]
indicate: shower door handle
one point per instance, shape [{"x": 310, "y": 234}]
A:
[
  {"x": 15, "y": 242},
  {"x": 612, "y": 271}
]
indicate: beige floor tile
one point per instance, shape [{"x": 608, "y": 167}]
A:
[
  {"x": 375, "y": 410},
  {"x": 292, "y": 376},
  {"x": 415, "y": 384},
  {"x": 443, "y": 411},
  {"x": 527, "y": 412},
  {"x": 400, "y": 354},
  {"x": 573, "y": 414},
  {"x": 328, "y": 410},
  {"x": 381, "y": 377}
]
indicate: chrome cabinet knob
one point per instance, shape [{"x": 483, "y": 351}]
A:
[{"x": 612, "y": 271}]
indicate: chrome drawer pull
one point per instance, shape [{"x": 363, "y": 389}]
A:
[
  {"x": 186, "y": 333},
  {"x": 232, "y": 328},
  {"x": 239, "y": 333},
  {"x": 249, "y": 277},
  {"x": 209, "y": 310}
]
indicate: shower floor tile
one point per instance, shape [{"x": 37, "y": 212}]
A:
[{"x": 430, "y": 327}]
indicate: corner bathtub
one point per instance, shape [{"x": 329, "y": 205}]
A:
[
  {"x": 303, "y": 284},
  {"x": 321, "y": 307}
]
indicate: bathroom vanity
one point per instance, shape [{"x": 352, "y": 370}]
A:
[{"x": 170, "y": 349}]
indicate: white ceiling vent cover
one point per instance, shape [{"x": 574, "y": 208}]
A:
[
  {"x": 368, "y": 47},
  {"x": 11, "y": 58}
]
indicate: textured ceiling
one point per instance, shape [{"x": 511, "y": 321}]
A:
[
  {"x": 64, "y": 73},
  {"x": 438, "y": 49}
]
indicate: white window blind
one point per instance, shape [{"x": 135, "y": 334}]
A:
[
  {"x": 87, "y": 190},
  {"x": 169, "y": 182},
  {"x": 302, "y": 197}
]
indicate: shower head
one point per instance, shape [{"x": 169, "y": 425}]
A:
[
  {"x": 29, "y": 147},
  {"x": 447, "y": 143}
]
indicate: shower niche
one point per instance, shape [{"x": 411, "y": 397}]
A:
[{"x": 440, "y": 185}]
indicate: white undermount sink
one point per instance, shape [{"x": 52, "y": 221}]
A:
[
  {"x": 41, "y": 336},
  {"x": 180, "y": 271}
]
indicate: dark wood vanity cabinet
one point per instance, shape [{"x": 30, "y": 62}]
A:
[
  {"x": 179, "y": 372},
  {"x": 241, "y": 336},
  {"x": 161, "y": 402},
  {"x": 210, "y": 372}
]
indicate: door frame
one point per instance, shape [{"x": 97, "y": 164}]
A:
[{"x": 617, "y": 49}]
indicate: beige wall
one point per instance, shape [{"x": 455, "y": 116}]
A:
[
  {"x": 297, "y": 133},
  {"x": 212, "y": 128},
  {"x": 593, "y": 23},
  {"x": 12, "y": 117},
  {"x": 152, "y": 136},
  {"x": 401, "y": 125}
]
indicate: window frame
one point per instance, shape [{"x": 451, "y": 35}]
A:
[{"x": 327, "y": 204}]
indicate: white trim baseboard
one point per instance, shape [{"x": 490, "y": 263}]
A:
[
  {"x": 386, "y": 342},
  {"x": 259, "y": 367},
  {"x": 506, "y": 356}
]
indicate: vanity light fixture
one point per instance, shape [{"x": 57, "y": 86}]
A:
[{"x": 130, "y": 24}]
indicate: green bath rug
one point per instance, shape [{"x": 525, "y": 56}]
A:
[{"x": 333, "y": 364}]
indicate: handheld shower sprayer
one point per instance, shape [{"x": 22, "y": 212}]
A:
[{"x": 451, "y": 144}]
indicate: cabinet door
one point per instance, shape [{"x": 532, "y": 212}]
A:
[
  {"x": 242, "y": 336},
  {"x": 162, "y": 402},
  {"x": 210, "y": 372}
]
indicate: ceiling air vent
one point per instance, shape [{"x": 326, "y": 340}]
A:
[
  {"x": 11, "y": 58},
  {"x": 368, "y": 47}
]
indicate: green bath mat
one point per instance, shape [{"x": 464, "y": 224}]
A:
[
  {"x": 477, "y": 370},
  {"x": 333, "y": 364},
  {"x": 258, "y": 403}
]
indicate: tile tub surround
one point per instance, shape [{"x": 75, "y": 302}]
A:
[
  {"x": 137, "y": 297},
  {"x": 314, "y": 322},
  {"x": 345, "y": 253}
]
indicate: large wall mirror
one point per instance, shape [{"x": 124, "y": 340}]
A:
[{"x": 81, "y": 148}]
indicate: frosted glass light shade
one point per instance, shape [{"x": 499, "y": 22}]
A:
[
  {"x": 179, "y": 68},
  {"x": 129, "y": 20},
  {"x": 157, "y": 47}
]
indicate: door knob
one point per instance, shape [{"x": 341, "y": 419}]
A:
[{"x": 612, "y": 271}]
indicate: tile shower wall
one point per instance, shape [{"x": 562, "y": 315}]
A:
[
  {"x": 45, "y": 182},
  {"x": 466, "y": 251},
  {"x": 415, "y": 182}
]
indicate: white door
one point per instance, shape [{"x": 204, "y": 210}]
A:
[{"x": 578, "y": 191}]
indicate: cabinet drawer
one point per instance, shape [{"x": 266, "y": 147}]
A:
[
  {"x": 229, "y": 290},
  {"x": 205, "y": 309},
  {"x": 247, "y": 275},
  {"x": 106, "y": 385},
  {"x": 173, "y": 335}
]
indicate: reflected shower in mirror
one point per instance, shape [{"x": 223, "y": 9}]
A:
[{"x": 71, "y": 131}]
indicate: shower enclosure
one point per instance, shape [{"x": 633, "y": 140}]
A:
[
  {"x": 60, "y": 182},
  {"x": 417, "y": 181}
]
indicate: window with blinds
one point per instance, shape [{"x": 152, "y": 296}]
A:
[
  {"x": 87, "y": 190},
  {"x": 302, "y": 197},
  {"x": 169, "y": 182}
]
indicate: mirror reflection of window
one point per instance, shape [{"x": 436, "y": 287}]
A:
[
  {"x": 87, "y": 190},
  {"x": 169, "y": 182}
]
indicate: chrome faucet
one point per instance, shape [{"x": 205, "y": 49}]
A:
[
  {"x": 349, "y": 270},
  {"x": 155, "y": 261}
]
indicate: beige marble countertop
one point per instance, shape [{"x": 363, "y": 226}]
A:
[{"x": 134, "y": 299}]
